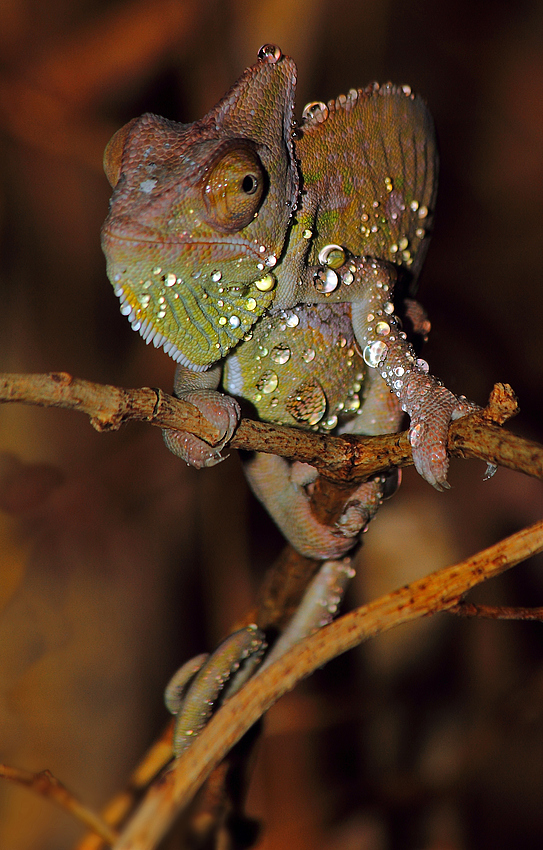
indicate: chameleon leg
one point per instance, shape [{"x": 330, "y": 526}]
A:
[
  {"x": 430, "y": 405},
  {"x": 199, "y": 388},
  {"x": 369, "y": 287},
  {"x": 281, "y": 486}
]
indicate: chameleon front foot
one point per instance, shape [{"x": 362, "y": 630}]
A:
[
  {"x": 282, "y": 488},
  {"x": 221, "y": 411},
  {"x": 430, "y": 406}
]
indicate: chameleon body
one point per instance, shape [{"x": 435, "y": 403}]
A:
[{"x": 262, "y": 256}]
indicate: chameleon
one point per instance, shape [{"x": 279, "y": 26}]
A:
[{"x": 264, "y": 256}]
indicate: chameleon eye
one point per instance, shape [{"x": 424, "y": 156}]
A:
[
  {"x": 113, "y": 153},
  {"x": 234, "y": 188}
]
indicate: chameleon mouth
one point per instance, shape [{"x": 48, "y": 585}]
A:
[{"x": 121, "y": 235}]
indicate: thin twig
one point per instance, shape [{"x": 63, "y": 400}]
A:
[
  {"x": 46, "y": 785},
  {"x": 496, "y": 612},
  {"x": 436, "y": 592}
]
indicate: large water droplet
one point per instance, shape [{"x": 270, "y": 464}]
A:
[
  {"x": 307, "y": 403},
  {"x": 326, "y": 281},
  {"x": 270, "y": 53},
  {"x": 280, "y": 354},
  {"x": 268, "y": 382},
  {"x": 266, "y": 283},
  {"x": 316, "y": 110},
  {"x": 332, "y": 256},
  {"x": 374, "y": 353}
]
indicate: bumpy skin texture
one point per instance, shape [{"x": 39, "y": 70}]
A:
[{"x": 263, "y": 257}]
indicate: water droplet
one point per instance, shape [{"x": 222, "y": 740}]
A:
[
  {"x": 307, "y": 234},
  {"x": 382, "y": 328},
  {"x": 316, "y": 110},
  {"x": 388, "y": 184},
  {"x": 271, "y": 261},
  {"x": 423, "y": 212},
  {"x": 348, "y": 278},
  {"x": 268, "y": 382},
  {"x": 352, "y": 403},
  {"x": 393, "y": 248},
  {"x": 415, "y": 435},
  {"x": 332, "y": 256},
  {"x": 293, "y": 320},
  {"x": 326, "y": 281},
  {"x": 266, "y": 283},
  {"x": 307, "y": 403},
  {"x": 280, "y": 354},
  {"x": 330, "y": 423},
  {"x": 157, "y": 270},
  {"x": 403, "y": 243},
  {"x": 308, "y": 355},
  {"x": 222, "y": 320},
  {"x": 388, "y": 307},
  {"x": 216, "y": 276},
  {"x": 251, "y": 304},
  {"x": 414, "y": 205},
  {"x": 234, "y": 321},
  {"x": 374, "y": 353},
  {"x": 270, "y": 53},
  {"x": 420, "y": 233}
]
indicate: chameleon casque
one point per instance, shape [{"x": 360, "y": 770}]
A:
[{"x": 262, "y": 255}]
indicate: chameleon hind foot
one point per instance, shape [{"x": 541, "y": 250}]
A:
[{"x": 283, "y": 489}]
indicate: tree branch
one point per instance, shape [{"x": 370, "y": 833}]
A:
[
  {"x": 340, "y": 458},
  {"x": 437, "y": 592}
]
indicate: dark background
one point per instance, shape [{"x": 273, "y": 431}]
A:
[{"x": 117, "y": 562}]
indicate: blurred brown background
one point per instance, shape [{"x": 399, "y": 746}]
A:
[{"x": 118, "y": 562}]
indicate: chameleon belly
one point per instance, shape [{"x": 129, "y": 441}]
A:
[{"x": 277, "y": 367}]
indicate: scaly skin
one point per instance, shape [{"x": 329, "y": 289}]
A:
[{"x": 263, "y": 257}]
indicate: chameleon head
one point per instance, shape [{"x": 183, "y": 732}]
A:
[{"x": 199, "y": 215}]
